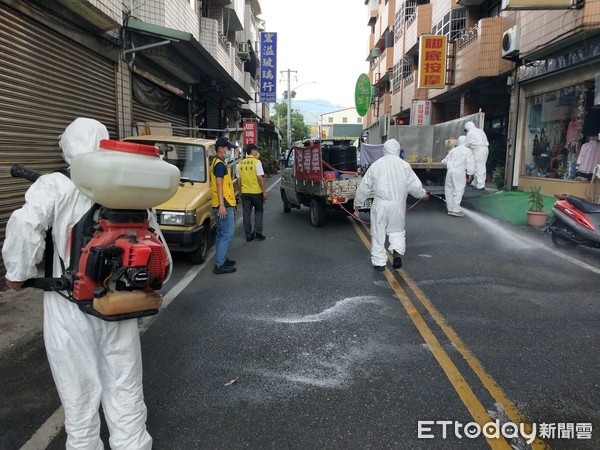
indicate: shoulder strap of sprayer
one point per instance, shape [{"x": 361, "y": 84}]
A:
[{"x": 49, "y": 250}]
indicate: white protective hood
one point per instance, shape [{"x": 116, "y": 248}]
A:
[
  {"x": 81, "y": 136},
  {"x": 391, "y": 147}
]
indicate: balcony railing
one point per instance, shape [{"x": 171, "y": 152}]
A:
[
  {"x": 468, "y": 37},
  {"x": 479, "y": 52}
]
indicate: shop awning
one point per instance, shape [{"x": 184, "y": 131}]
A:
[{"x": 184, "y": 57}]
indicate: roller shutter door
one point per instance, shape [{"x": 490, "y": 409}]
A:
[{"x": 46, "y": 81}]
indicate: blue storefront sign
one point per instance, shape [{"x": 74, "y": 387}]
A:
[{"x": 268, "y": 67}]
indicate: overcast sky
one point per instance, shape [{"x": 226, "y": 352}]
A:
[{"x": 324, "y": 41}]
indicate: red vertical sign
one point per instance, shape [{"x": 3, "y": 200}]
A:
[
  {"x": 250, "y": 133},
  {"x": 308, "y": 163}
]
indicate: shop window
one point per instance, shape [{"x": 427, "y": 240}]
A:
[{"x": 559, "y": 122}]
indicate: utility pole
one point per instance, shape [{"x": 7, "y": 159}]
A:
[{"x": 288, "y": 74}]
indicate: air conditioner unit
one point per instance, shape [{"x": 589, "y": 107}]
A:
[
  {"x": 242, "y": 50},
  {"x": 510, "y": 43}
]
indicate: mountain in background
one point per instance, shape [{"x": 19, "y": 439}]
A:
[{"x": 312, "y": 109}]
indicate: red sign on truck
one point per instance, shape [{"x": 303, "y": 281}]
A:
[{"x": 308, "y": 163}]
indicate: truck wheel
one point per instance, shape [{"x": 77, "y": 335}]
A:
[
  {"x": 199, "y": 255},
  {"x": 317, "y": 213},
  {"x": 286, "y": 203}
]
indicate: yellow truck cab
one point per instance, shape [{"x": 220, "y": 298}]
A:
[{"x": 186, "y": 220}]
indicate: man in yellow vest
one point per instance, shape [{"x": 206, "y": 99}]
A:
[
  {"x": 251, "y": 184},
  {"x": 223, "y": 204}
]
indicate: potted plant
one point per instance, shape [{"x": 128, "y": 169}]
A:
[
  {"x": 498, "y": 177},
  {"x": 536, "y": 216}
]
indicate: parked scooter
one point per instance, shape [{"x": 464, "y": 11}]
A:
[{"x": 576, "y": 221}]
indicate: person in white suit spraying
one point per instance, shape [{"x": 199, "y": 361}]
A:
[
  {"x": 390, "y": 179},
  {"x": 461, "y": 164},
  {"x": 93, "y": 362},
  {"x": 478, "y": 143}
]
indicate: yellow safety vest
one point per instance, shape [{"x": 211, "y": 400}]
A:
[
  {"x": 228, "y": 192},
  {"x": 247, "y": 169}
]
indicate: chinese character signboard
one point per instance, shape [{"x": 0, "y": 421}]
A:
[
  {"x": 362, "y": 94},
  {"x": 308, "y": 163},
  {"x": 268, "y": 67},
  {"x": 250, "y": 133},
  {"x": 432, "y": 61},
  {"x": 420, "y": 112}
]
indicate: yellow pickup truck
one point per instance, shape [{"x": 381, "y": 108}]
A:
[{"x": 186, "y": 220}]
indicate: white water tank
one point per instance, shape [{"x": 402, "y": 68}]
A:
[{"x": 125, "y": 175}]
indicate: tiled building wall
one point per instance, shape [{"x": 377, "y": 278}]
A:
[
  {"x": 537, "y": 28},
  {"x": 181, "y": 15},
  {"x": 482, "y": 56},
  {"x": 439, "y": 8},
  {"x": 176, "y": 14},
  {"x": 112, "y": 8},
  {"x": 151, "y": 11},
  {"x": 592, "y": 13}
]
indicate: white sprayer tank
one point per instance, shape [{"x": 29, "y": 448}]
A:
[{"x": 125, "y": 175}]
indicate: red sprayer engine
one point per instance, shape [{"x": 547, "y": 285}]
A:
[
  {"x": 117, "y": 260},
  {"x": 120, "y": 266}
]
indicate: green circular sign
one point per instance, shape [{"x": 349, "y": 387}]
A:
[{"x": 362, "y": 94}]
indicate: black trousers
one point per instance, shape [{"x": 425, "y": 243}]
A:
[{"x": 249, "y": 202}]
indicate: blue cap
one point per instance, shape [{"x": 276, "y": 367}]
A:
[
  {"x": 251, "y": 147},
  {"x": 224, "y": 142}
]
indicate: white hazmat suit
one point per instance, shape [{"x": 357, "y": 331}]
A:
[
  {"x": 460, "y": 162},
  {"x": 93, "y": 361},
  {"x": 478, "y": 143},
  {"x": 390, "y": 179}
]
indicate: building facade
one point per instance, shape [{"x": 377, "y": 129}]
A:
[
  {"x": 341, "y": 123},
  {"x": 531, "y": 71},
  {"x": 189, "y": 63},
  {"x": 555, "y": 106}
]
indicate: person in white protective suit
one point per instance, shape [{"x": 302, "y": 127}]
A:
[
  {"x": 390, "y": 179},
  {"x": 93, "y": 361},
  {"x": 461, "y": 164},
  {"x": 478, "y": 143}
]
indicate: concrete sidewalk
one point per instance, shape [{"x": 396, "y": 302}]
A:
[{"x": 21, "y": 316}]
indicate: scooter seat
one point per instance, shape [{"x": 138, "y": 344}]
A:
[{"x": 583, "y": 204}]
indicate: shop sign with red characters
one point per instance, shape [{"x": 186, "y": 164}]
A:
[
  {"x": 420, "y": 112},
  {"x": 308, "y": 163},
  {"x": 432, "y": 61},
  {"x": 250, "y": 132}
]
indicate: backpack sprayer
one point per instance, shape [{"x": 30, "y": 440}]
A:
[{"x": 117, "y": 260}]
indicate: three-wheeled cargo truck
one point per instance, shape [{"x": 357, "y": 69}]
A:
[{"x": 322, "y": 175}]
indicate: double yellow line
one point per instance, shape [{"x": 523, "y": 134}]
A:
[{"x": 460, "y": 385}]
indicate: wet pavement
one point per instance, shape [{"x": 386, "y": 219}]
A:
[{"x": 21, "y": 312}]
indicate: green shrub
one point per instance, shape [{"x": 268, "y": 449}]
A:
[
  {"x": 270, "y": 164},
  {"x": 498, "y": 176}
]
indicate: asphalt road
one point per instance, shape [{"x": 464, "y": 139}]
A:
[{"x": 307, "y": 347}]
